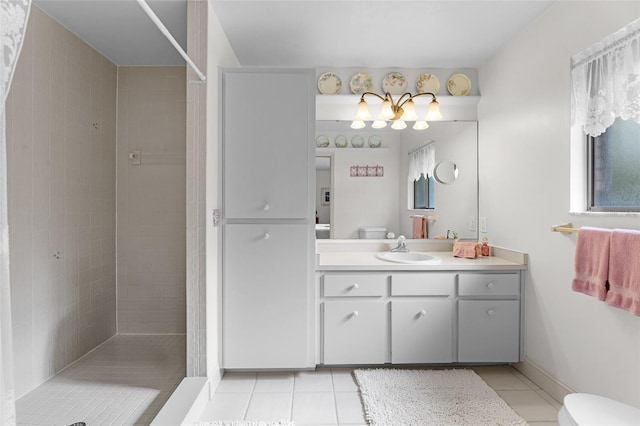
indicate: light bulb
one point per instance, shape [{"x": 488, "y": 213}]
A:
[
  {"x": 399, "y": 125},
  {"x": 363, "y": 111},
  {"x": 386, "y": 113},
  {"x": 409, "y": 111},
  {"x": 379, "y": 124},
  {"x": 420, "y": 125},
  {"x": 357, "y": 124},
  {"x": 434, "y": 111}
]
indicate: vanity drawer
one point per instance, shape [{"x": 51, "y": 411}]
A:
[
  {"x": 355, "y": 285},
  {"x": 430, "y": 284},
  {"x": 489, "y": 284}
]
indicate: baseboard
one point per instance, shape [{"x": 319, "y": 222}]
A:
[{"x": 551, "y": 385}]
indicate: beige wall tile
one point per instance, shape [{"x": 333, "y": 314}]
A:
[
  {"x": 151, "y": 200},
  {"x": 58, "y": 175}
]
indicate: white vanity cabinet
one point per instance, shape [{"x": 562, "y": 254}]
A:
[
  {"x": 422, "y": 317},
  {"x": 419, "y": 317},
  {"x": 267, "y": 206},
  {"x": 489, "y": 317}
]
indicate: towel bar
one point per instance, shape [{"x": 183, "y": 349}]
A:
[
  {"x": 565, "y": 227},
  {"x": 433, "y": 217}
]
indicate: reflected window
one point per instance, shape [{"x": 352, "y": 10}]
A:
[{"x": 424, "y": 192}]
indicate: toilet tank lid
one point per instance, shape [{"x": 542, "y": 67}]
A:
[
  {"x": 373, "y": 229},
  {"x": 587, "y": 409}
]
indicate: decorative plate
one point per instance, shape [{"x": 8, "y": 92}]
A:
[
  {"x": 361, "y": 82},
  {"x": 322, "y": 141},
  {"x": 375, "y": 141},
  {"x": 329, "y": 84},
  {"x": 341, "y": 141},
  {"x": 428, "y": 83},
  {"x": 459, "y": 85},
  {"x": 394, "y": 83},
  {"x": 357, "y": 141}
]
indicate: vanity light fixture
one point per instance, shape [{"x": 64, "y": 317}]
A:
[{"x": 400, "y": 111}]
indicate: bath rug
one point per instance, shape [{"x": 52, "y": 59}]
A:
[
  {"x": 431, "y": 397},
  {"x": 244, "y": 423}
]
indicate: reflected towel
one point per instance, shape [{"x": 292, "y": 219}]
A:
[
  {"x": 417, "y": 226},
  {"x": 592, "y": 262},
  {"x": 624, "y": 271}
]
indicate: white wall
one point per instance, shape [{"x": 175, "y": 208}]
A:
[
  {"x": 524, "y": 118},
  {"x": 219, "y": 54}
]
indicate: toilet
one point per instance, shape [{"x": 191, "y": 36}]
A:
[{"x": 583, "y": 409}]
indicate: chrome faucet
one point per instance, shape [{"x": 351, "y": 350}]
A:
[{"x": 402, "y": 245}]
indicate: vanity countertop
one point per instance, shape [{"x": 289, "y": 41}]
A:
[{"x": 366, "y": 260}]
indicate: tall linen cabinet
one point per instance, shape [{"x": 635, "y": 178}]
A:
[{"x": 267, "y": 216}]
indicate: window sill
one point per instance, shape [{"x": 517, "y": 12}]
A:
[{"x": 604, "y": 214}]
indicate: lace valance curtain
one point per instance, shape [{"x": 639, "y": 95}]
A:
[
  {"x": 422, "y": 161},
  {"x": 606, "y": 81},
  {"x": 13, "y": 22}
]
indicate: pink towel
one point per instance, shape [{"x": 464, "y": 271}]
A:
[
  {"x": 417, "y": 226},
  {"x": 592, "y": 262},
  {"x": 624, "y": 271},
  {"x": 469, "y": 250}
]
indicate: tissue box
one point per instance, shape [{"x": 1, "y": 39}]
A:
[{"x": 372, "y": 233}]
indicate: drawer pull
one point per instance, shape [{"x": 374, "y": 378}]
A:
[
  {"x": 490, "y": 285},
  {"x": 266, "y": 207},
  {"x": 266, "y": 236},
  {"x": 422, "y": 313},
  {"x": 354, "y": 286},
  {"x": 490, "y": 312},
  {"x": 354, "y": 314}
]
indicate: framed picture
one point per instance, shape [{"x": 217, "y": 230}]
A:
[{"x": 325, "y": 193}]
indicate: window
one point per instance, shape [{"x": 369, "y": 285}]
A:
[
  {"x": 424, "y": 192},
  {"x": 614, "y": 168},
  {"x": 606, "y": 108}
]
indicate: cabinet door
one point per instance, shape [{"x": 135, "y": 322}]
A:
[
  {"x": 488, "y": 331},
  {"x": 355, "y": 332},
  {"x": 265, "y": 295},
  {"x": 268, "y": 127},
  {"x": 421, "y": 331}
]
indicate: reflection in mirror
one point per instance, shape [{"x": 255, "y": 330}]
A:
[
  {"x": 323, "y": 196},
  {"x": 387, "y": 200},
  {"x": 445, "y": 172}
]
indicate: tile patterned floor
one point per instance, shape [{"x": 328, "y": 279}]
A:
[
  {"x": 125, "y": 381},
  {"x": 329, "y": 396}
]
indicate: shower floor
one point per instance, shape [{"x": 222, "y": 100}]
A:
[{"x": 125, "y": 381}]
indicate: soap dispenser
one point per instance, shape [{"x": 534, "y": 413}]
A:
[{"x": 484, "y": 250}]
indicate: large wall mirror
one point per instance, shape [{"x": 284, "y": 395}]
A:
[{"x": 370, "y": 187}]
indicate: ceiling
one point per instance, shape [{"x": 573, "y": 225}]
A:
[{"x": 308, "y": 33}]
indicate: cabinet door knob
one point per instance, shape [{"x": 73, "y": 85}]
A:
[
  {"x": 354, "y": 286},
  {"x": 490, "y": 285},
  {"x": 354, "y": 314},
  {"x": 266, "y": 207},
  {"x": 266, "y": 236},
  {"x": 490, "y": 312},
  {"x": 422, "y": 313}
]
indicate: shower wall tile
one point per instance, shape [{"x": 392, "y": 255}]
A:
[
  {"x": 151, "y": 200},
  {"x": 61, "y": 170}
]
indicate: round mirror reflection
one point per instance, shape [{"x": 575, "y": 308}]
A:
[{"x": 445, "y": 171}]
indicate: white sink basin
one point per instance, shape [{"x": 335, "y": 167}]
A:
[{"x": 409, "y": 257}]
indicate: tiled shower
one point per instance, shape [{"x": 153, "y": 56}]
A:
[{"x": 97, "y": 243}]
